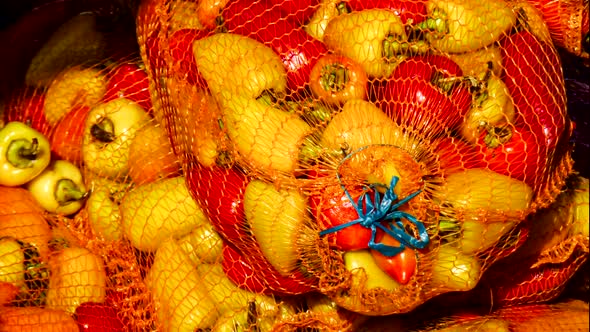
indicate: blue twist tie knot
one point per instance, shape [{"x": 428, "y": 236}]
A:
[{"x": 383, "y": 213}]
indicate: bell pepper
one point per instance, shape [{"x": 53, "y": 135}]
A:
[
  {"x": 276, "y": 217},
  {"x": 174, "y": 283},
  {"x": 102, "y": 207},
  {"x": 59, "y": 188},
  {"x": 374, "y": 38},
  {"x": 299, "y": 11},
  {"x": 26, "y": 105},
  {"x": 75, "y": 86},
  {"x": 492, "y": 107},
  {"x": 266, "y": 138},
  {"x": 230, "y": 299},
  {"x": 22, "y": 218},
  {"x": 154, "y": 211},
  {"x": 129, "y": 80},
  {"x": 67, "y": 136},
  {"x": 24, "y": 154},
  {"x": 515, "y": 151},
  {"x": 12, "y": 262},
  {"x": 36, "y": 319},
  {"x": 427, "y": 94},
  {"x": 208, "y": 11},
  {"x": 456, "y": 155},
  {"x": 240, "y": 272},
  {"x": 453, "y": 270},
  {"x": 361, "y": 123},
  {"x": 334, "y": 79},
  {"x": 533, "y": 75},
  {"x": 76, "y": 276},
  {"x": 203, "y": 245},
  {"x": 183, "y": 14},
  {"x": 297, "y": 50},
  {"x": 459, "y": 26},
  {"x": 411, "y": 12},
  {"x": 183, "y": 63},
  {"x": 326, "y": 10},
  {"x": 484, "y": 205},
  {"x": 22, "y": 267},
  {"x": 479, "y": 63},
  {"x": 108, "y": 133},
  {"x": 221, "y": 190},
  {"x": 239, "y": 65},
  {"x": 365, "y": 272}
]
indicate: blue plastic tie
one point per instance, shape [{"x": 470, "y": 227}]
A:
[{"x": 383, "y": 213}]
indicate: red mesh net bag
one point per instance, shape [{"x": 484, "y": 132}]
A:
[
  {"x": 285, "y": 165},
  {"x": 379, "y": 153}
]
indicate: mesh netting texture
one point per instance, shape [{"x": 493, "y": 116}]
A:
[{"x": 211, "y": 165}]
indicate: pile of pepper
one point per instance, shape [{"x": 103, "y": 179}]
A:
[
  {"x": 275, "y": 165},
  {"x": 364, "y": 150}
]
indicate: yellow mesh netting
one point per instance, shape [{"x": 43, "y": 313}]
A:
[{"x": 292, "y": 165}]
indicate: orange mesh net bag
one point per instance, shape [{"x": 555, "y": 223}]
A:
[
  {"x": 284, "y": 165},
  {"x": 381, "y": 154}
]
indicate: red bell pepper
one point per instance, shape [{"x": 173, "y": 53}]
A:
[
  {"x": 129, "y": 80},
  {"x": 332, "y": 207},
  {"x": 220, "y": 191},
  {"x": 410, "y": 11},
  {"x": 183, "y": 59},
  {"x": 259, "y": 20},
  {"x": 427, "y": 93},
  {"x": 514, "y": 151},
  {"x": 27, "y": 106},
  {"x": 456, "y": 155},
  {"x": 534, "y": 78},
  {"x": 299, "y": 11},
  {"x": 240, "y": 271}
]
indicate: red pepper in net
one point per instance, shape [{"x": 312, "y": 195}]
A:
[
  {"x": 220, "y": 191},
  {"x": 426, "y": 93},
  {"x": 533, "y": 76},
  {"x": 410, "y": 11},
  {"x": 129, "y": 80},
  {"x": 261, "y": 21}
]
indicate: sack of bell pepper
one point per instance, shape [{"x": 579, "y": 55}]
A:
[{"x": 381, "y": 153}]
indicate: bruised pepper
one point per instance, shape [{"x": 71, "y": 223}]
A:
[
  {"x": 59, "y": 188},
  {"x": 374, "y": 38},
  {"x": 458, "y": 26},
  {"x": 24, "y": 154}
]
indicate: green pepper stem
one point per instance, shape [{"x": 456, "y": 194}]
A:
[
  {"x": 394, "y": 46},
  {"x": 309, "y": 150},
  {"x": 21, "y": 152},
  {"x": 103, "y": 130},
  {"x": 497, "y": 136},
  {"x": 334, "y": 77},
  {"x": 66, "y": 192},
  {"x": 436, "y": 23},
  {"x": 342, "y": 8}
]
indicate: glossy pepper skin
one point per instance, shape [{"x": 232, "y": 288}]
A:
[
  {"x": 426, "y": 93},
  {"x": 534, "y": 78},
  {"x": 129, "y": 80},
  {"x": 514, "y": 151},
  {"x": 259, "y": 20},
  {"x": 299, "y": 11},
  {"x": 24, "y": 154},
  {"x": 410, "y": 11},
  {"x": 220, "y": 191},
  {"x": 59, "y": 188}
]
